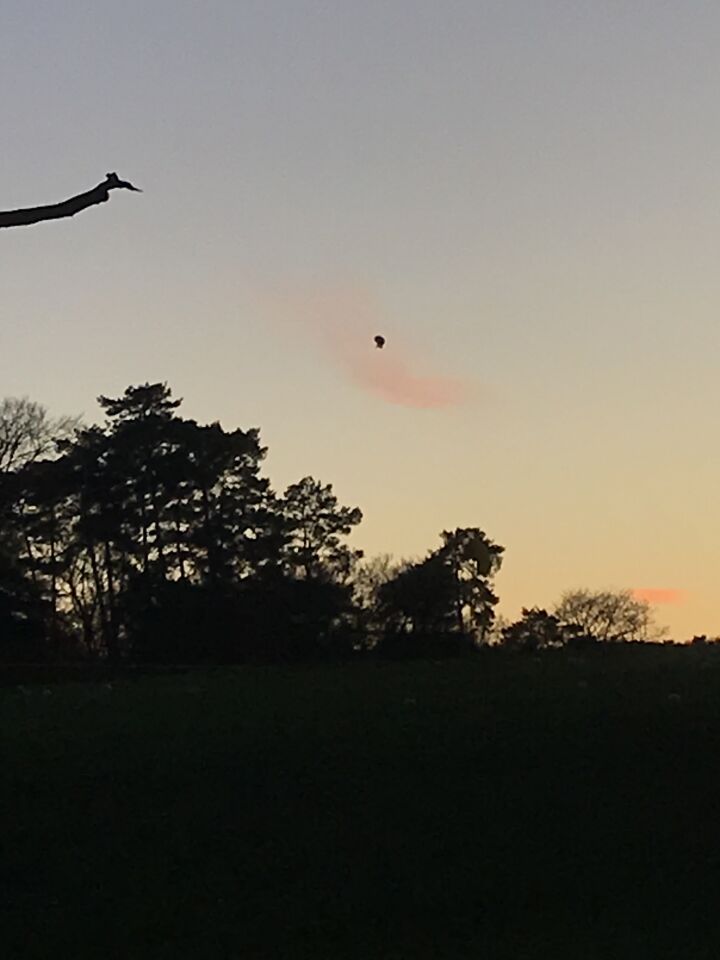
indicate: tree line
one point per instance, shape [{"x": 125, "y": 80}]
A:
[{"x": 153, "y": 538}]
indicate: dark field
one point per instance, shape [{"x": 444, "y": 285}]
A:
[{"x": 505, "y": 807}]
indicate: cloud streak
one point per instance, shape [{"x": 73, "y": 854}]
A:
[
  {"x": 343, "y": 322},
  {"x": 659, "y": 595},
  {"x": 390, "y": 377}
]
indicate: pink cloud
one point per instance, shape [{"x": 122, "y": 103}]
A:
[
  {"x": 343, "y": 321},
  {"x": 387, "y": 375},
  {"x": 659, "y": 595}
]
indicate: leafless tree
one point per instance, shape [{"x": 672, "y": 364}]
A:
[
  {"x": 368, "y": 578},
  {"x": 67, "y": 208},
  {"x": 28, "y": 432},
  {"x": 371, "y": 574},
  {"x": 608, "y": 616}
]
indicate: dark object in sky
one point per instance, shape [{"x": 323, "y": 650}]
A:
[
  {"x": 68, "y": 208},
  {"x": 379, "y": 342}
]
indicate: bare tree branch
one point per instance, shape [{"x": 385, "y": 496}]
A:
[
  {"x": 68, "y": 208},
  {"x": 29, "y": 433}
]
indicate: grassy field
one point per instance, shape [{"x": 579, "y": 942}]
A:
[{"x": 506, "y": 807}]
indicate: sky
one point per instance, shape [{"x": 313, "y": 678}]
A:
[{"x": 520, "y": 195}]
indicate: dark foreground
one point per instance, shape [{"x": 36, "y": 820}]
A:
[{"x": 500, "y": 808}]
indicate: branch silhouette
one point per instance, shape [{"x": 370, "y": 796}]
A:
[{"x": 67, "y": 208}]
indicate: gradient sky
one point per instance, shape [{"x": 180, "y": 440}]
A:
[{"x": 521, "y": 196}]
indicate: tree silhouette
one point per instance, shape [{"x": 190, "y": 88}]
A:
[
  {"x": 152, "y": 527},
  {"x": 473, "y": 559},
  {"x": 607, "y": 616},
  {"x": 419, "y": 601},
  {"x": 443, "y": 603},
  {"x": 315, "y": 522},
  {"x": 368, "y": 579},
  {"x": 23, "y": 636},
  {"x": 28, "y": 432},
  {"x": 535, "y": 630},
  {"x": 155, "y": 537},
  {"x": 30, "y": 488},
  {"x": 67, "y": 208}
]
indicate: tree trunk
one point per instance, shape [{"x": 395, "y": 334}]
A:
[
  {"x": 113, "y": 650},
  {"x": 99, "y": 594},
  {"x": 54, "y": 638}
]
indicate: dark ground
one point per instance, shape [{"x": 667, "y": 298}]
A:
[{"x": 504, "y": 807}]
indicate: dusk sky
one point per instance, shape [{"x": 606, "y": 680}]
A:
[{"x": 522, "y": 197}]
